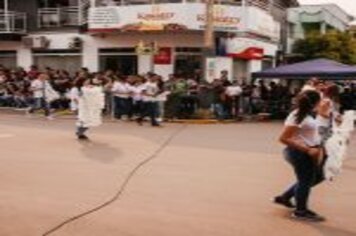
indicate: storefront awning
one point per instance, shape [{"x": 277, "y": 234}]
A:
[{"x": 321, "y": 68}]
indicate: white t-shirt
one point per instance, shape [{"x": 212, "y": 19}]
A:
[
  {"x": 308, "y": 129},
  {"x": 308, "y": 87},
  {"x": 233, "y": 90},
  {"x": 137, "y": 92},
  {"x": 38, "y": 87},
  {"x": 151, "y": 90},
  {"x": 121, "y": 90}
]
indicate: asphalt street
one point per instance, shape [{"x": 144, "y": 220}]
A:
[{"x": 179, "y": 180}]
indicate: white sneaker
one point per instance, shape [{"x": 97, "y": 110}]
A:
[{"x": 50, "y": 118}]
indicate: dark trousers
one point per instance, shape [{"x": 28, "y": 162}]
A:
[
  {"x": 40, "y": 103},
  {"x": 122, "y": 107},
  {"x": 308, "y": 174},
  {"x": 137, "y": 108},
  {"x": 150, "y": 109}
]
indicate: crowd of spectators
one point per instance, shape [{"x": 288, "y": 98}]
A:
[{"x": 179, "y": 96}]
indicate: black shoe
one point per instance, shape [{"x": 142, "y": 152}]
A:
[
  {"x": 284, "y": 202},
  {"x": 82, "y": 137},
  {"x": 139, "y": 121},
  {"x": 308, "y": 215}
]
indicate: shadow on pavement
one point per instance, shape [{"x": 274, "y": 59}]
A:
[{"x": 100, "y": 152}]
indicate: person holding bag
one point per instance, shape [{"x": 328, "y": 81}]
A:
[{"x": 304, "y": 152}]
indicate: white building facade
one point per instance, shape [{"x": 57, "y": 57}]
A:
[
  {"x": 247, "y": 38},
  {"x": 318, "y": 18}
]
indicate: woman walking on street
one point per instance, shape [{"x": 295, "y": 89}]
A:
[{"x": 304, "y": 153}]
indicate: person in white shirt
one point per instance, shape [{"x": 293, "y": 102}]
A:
[
  {"x": 304, "y": 153},
  {"x": 137, "y": 96},
  {"x": 43, "y": 94},
  {"x": 150, "y": 103},
  {"x": 328, "y": 111},
  {"x": 233, "y": 93},
  {"x": 90, "y": 104},
  {"x": 121, "y": 92},
  {"x": 311, "y": 85}
]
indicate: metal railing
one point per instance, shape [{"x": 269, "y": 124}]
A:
[
  {"x": 58, "y": 17},
  {"x": 13, "y": 22},
  {"x": 263, "y": 4}
]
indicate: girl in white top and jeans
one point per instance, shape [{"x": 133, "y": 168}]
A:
[{"x": 303, "y": 152}]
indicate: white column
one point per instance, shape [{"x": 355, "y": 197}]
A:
[
  {"x": 24, "y": 58},
  {"x": 6, "y": 13},
  {"x": 144, "y": 64},
  {"x": 90, "y": 57},
  {"x": 254, "y": 66},
  {"x": 323, "y": 27}
]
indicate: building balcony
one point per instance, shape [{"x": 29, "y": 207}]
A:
[
  {"x": 13, "y": 23},
  {"x": 59, "y": 17}
]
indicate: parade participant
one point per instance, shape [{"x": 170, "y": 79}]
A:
[
  {"x": 303, "y": 152},
  {"x": 150, "y": 104},
  {"x": 90, "y": 106},
  {"x": 43, "y": 94},
  {"x": 311, "y": 84},
  {"x": 136, "y": 93},
  {"x": 233, "y": 93},
  {"x": 121, "y": 92},
  {"x": 328, "y": 111}
]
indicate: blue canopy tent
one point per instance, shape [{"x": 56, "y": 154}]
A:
[{"x": 321, "y": 68}]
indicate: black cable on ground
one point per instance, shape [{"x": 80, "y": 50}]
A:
[{"x": 121, "y": 188}]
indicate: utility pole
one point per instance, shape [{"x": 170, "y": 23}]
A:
[
  {"x": 209, "y": 38},
  {"x": 209, "y": 26},
  {"x": 6, "y": 14}
]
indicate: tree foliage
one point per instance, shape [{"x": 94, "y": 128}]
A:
[{"x": 339, "y": 46}]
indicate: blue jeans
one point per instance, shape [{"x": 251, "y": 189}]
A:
[
  {"x": 308, "y": 174},
  {"x": 150, "y": 109},
  {"x": 40, "y": 103},
  {"x": 219, "y": 111},
  {"x": 121, "y": 107}
]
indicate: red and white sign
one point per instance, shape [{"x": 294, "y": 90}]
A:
[
  {"x": 251, "y": 53},
  {"x": 164, "y": 56},
  {"x": 249, "y": 49}
]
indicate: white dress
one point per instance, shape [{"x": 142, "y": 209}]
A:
[{"x": 90, "y": 106}]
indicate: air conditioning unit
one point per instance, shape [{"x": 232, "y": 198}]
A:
[{"x": 40, "y": 42}]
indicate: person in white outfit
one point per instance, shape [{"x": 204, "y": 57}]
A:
[
  {"x": 121, "y": 92},
  {"x": 328, "y": 111},
  {"x": 90, "y": 105},
  {"x": 150, "y": 103},
  {"x": 43, "y": 94}
]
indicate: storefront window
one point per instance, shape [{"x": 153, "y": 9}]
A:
[
  {"x": 188, "y": 60},
  {"x": 68, "y": 60},
  {"x": 124, "y": 64},
  {"x": 187, "y": 64},
  {"x": 8, "y": 59}
]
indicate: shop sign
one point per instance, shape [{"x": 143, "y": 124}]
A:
[
  {"x": 164, "y": 17},
  {"x": 163, "y": 57},
  {"x": 104, "y": 18}
]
